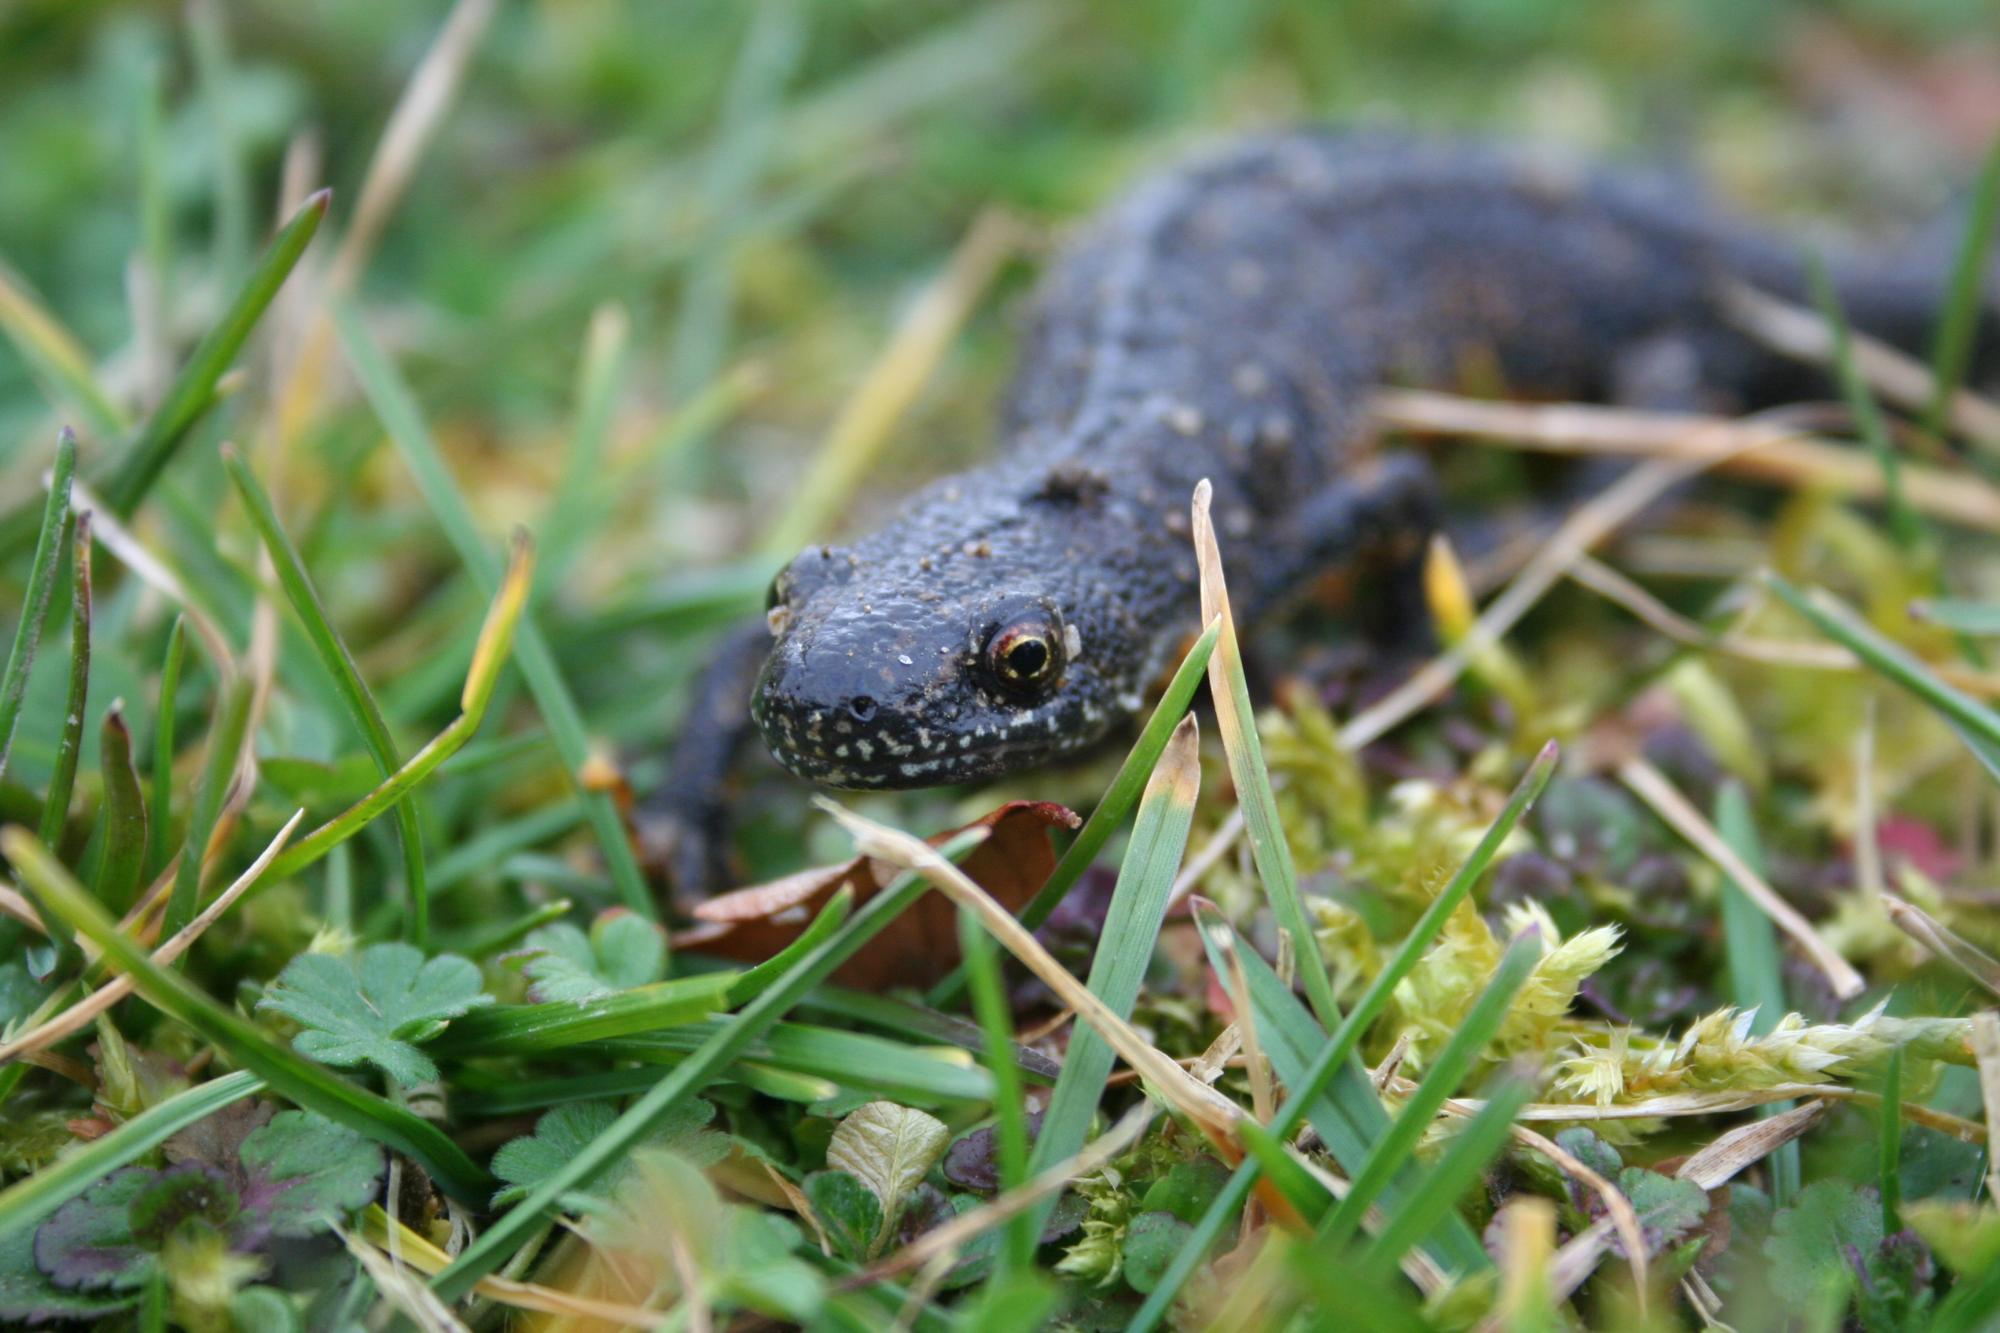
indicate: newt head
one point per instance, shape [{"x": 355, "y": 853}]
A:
[{"x": 882, "y": 677}]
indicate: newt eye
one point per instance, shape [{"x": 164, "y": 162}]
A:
[{"x": 1025, "y": 656}]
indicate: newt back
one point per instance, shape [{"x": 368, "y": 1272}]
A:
[{"x": 1226, "y": 320}]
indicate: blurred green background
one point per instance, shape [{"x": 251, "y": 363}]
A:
[{"x": 773, "y": 177}]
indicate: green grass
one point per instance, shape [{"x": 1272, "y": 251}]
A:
[
  {"x": 1138, "y": 906},
  {"x": 339, "y": 663},
  {"x": 1756, "y": 967},
  {"x": 679, "y": 289}
]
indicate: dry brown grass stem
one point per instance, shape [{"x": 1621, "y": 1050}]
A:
[
  {"x": 1615, "y": 587},
  {"x": 1653, "y": 787},
  {"x": 1754, "y": 449},
  {"x": 1802, "y": 334},
  {"x": 79, "y": 1015}
]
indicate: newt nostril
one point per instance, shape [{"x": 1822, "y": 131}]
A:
[{"x": 862, "y": 707}]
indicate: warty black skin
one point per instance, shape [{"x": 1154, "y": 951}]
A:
[{"x": 1226, "y": 321}]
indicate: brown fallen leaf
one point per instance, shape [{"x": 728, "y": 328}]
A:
[{"x": 749, "y": 925}]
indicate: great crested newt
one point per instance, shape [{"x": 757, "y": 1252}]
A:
[{"x": 1227, "y": 320}]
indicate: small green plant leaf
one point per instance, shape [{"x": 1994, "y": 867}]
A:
[
  {"x": 265, "y": 1308},
  {"x": 89, "y": 1245},
  {"x": 620, "y": 952},
  {"x": 848, "y": 1210},
  {"x": 124, "y": 815},
  {"x": 1151, "y": 1243},
  {"x": 1023, "y": 1300},
  {"x": 1965, "y": 1236},
  {"x": 888, "y": 1148},
  {"x": 375, "y": 1013},
  {"x": 28, "y": 1297},
  {"x": 1583, "y": 1144},
  {"x": 301, "y": 1169},
  {"x": 567, "y": 1130},
  {"x": 1187, "y": 1189},
  {"x": 560, "y": 1135},
  {"x": 287, "y": 1179},
  {"x": 1668, "y": 1207},
  {"x": 1810, "y": 1241},
  {"x": 973, "y": 1160}
]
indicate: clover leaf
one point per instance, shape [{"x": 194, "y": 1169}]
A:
[
  {"x": 375, "y": 1010},
  {"x": 621, "y": 951}
]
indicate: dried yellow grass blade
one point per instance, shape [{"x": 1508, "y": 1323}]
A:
[
  {"x": 391, "y": 1241},
  {"x": 1192, "y": 1098},
  {"x": 953, "y": 1235},
  {"x": 1753, "y": 449},
  {"x": 1802, "y": 333},
  {"x": 1652, "y": 786},
  {"x": 891, "y": 385},
  {"x": 80, "y": 1015}
]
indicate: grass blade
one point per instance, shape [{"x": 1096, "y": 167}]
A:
[
  {"x": 124, "y": 863},
  {"x": 989, "y": 1003},
  {"x": 599, "y": 379},
  {"x": 689, "y": 1077},
  {"x": 41, "y": 584},
  {"x": 69, "y": 746},
  {"x": 163, "y": 747},
  {"x": 193, "y": 390},
  {"x": 525, "y": 1029},
  {"x": 290, "y": 1074},
  {"x": 1956, "y": 614},
  {"x": 1838, "y": 622},
  {"x": 1230, "y": 692},
  {"x": 853, "y": 1060},
  {"x": 1124, "y": 949},
  {"x": 61, "y": 362},
  {"x": 1454, "y": 1062},
  {"x": 225, "y": 746},
  {"x": 1890, "y": 1157},
  {"x": 1362, "y": 1299},
  {"x": 1476, "y": 1145},
  {"x": 1297, "y": 1187},
  {"x": 339, "y": 663},
  {"x": 1904, "y": 525},
  {"x": 1127, "y": 784},
  {"x": 396, "y": 406},
  {"x": 1951, "y": 351},
  {"x": 33, "y": 1197},
  {"x": 912, "y": 1022},
  {"x": 1756, "y": 968},
  {"x": 1335, "y": 1058},
  {"x": 496, "y": 637}
]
